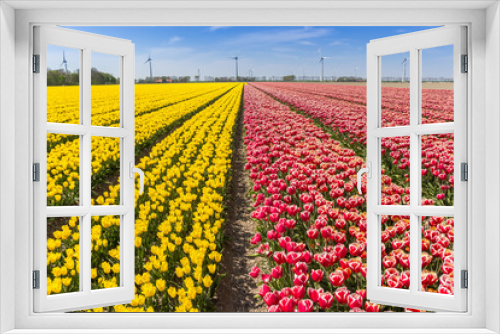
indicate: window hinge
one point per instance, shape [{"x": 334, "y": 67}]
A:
[
  {"x": 36, "y": 172},
  {"x": 36, "y": 279},
  {"x": 465, "y": 279},
  {"x": 36, "y": 63},
  {"x": 465, "y": 64},
  {"x": 464, "y": 173}
]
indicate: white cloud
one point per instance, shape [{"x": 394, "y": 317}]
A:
[
  {"x": 282, "y": 36},
  {"x": 215, "y": 28},
  {"x": 282, "y": 49},
  {"x": 306, "y": 43},
  {"x": 339, "y": 42},
  {"x": 174, "y": 40}
]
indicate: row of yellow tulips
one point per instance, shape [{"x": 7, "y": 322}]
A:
[
  {"x": 178, "y": 220},
  {"x": 63, "y": 103},
  {"x": 63, "y": 160}
]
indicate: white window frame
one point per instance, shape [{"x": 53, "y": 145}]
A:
[
  {"x": 86, "y": 44},
  {"x": 414, "y": 43},
  {"x": 484, "y": 103}
]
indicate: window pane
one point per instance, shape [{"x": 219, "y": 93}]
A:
[
  {"x": 63, "y": 254},
  {"x": 395, "y": 170},
  {"x": 63, "y": 81},
  {"x": 437, "y": 85},
  {"x": 395, "y": 91},
  {"x": 105, "y": 272},
  {"x": 105, "y": 90},
  {"x": 437, "y": 169},
  {"x": 437, "y": 255},
  {"x": 395, "y": 251},
  {"x": 105, "y": 172},
  {"x": 63, "y": 170}
]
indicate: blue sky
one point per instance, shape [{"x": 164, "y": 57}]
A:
[{"x": 269, "y": 51}]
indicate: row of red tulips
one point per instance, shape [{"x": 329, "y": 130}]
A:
[
  {"x": 392, "y": 99},
  {"x": 311, "y": 222},
  {"x": 341, "y": 109}
]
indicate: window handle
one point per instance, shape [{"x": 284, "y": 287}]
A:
[
  {"x": 139, "y": 171},
  {"x": 368, "y": 171}
]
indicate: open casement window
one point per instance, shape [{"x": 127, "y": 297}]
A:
[
  {"x": 72, "y": 148},
  {"x": 401, "y": 127}
]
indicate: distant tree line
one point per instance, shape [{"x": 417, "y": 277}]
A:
[
  {"x": 61, "y": 78},
  {"x": 350, "y": 79},
  {"x": 165, "y": 79}
]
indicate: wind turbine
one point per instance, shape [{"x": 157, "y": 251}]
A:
[
  {"x": 150, "y": 61},
  {"x": 355, "y": 72},
  {"x": 404, "y": 63},
  {"x": 236, "y": 64},
  {"x": 65, "y": 63},
  {"x": 322, "y": 61}
]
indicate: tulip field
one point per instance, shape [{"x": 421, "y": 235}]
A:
[{"x": 304, "y": 144}]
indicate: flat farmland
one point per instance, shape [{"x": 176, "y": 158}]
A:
[
  {"x": 425, "y": 84},
  {"x": 301, "y": 231}
]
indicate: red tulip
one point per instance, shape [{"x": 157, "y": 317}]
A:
[
  {"x": 271, "y": 298},
  {"x": 264, "y": 289},
  {"x": 277, "y": 272},
  {"x": 356, "y": 309},
  {"x": 355, "y": 249},
  {"x": 279, "y": 257},
  {"x": 290, "y": 224},
  {"x": 317, "y": 275},
  {"x": 285, "y": 292},
  {"x": 305, "y": 305},
  {"x": 305, "y": 215},
  {"x": 354, "y": 300},
  {"x": 287, "y": 304},
  {"x": 255, "y": 272},
  {"x": 314, "y": 294},
  {"x": 312, "y": 233},
  {"x": 340, "y": 250},
  {"x": 257, "y": 238},
  {"x": 394, "y": 281},
  {"x": 389, "y": 262},
  {"x": 372, "y": 307},
  {"x": 355, "y": 265},
  {"x": 405, "y": 278},
  {"x": 273, "y": 308},
  {"x": 337, "y": 278},
  {"x": 292, "y": 257},
  {"x": 307, "y": 257},
  {"x": 300, "y": 268},
  {"x": 397, "y": 244},
  {"x": 327, "y": 232},
  {"x": 325, "y": 300},
  {"x": 341, "y": 295},
  {"x": 362, "y": 293},
  {"x": 298, "y": 291},
  {"x": 301, "y": 279}
]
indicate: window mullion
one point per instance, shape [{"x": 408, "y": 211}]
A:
[
  {"x": 85, "y": 173},
  {"x": 415, "y": 186}
]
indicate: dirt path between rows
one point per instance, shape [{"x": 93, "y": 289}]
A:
[{"x": 237, "y": 290}]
